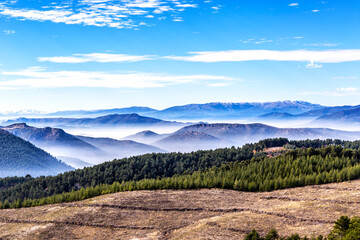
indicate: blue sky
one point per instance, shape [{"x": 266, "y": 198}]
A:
[{"x": 90, "y": 54}]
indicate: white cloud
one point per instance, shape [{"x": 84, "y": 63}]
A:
[
  {"x": 313, "y": 65},
  {"x": 95, "y": 57},
  {"x": 8, "y": 32},
  {"x": 315, "y": 10},
  {"x": 313, "y": 57},
  {"x": 178, "y": 19},
  {"x": 115, "y": 14},
  {"x": 293, "y": 4},
  {"x": 37, "y": 77},
  {"x": 186, "y": 5}
]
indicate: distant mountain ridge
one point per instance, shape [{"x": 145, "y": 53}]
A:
[
  {"x": 235, "y": 110},
  {"x": 218, "y": 135},
  {"x": 128, "y": 110},
  {"x": 252, "y": 112},
  {"x": 110, "y": 120},
  {"x": 277, "y": 115},
  {"x": 147, "y": 136},
  {"x": 241, "y": 133},
  {"x": 186, "y": 141},
  {"x": 347, "y": 116},
  {"x": 193, "y": 111},
  {"x": 326, "y": 110},
  {"x": 121, "y": 148}
]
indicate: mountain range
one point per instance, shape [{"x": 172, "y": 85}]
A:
[
  {"x": 82, "y": 151},
  {"x": 234, "y": 110},
  {"x": 56, "y": 141},
  {"x": 346, "y": 116},
  {"x": 108, "y": 120},
  {"x": 326, "y": 114},
  {"x": 210, "y": 136},
  {"x": 121, "y": 148},
  {"x": 282, "y": 110},
  {"x": 215, "y": 110},
  {"x": 79, "y": 151},
  {"x": 101, "y": 112},
  {"x": 246, "y": 133}
]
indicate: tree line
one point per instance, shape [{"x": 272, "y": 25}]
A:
[
  {"x": 345, "y": 228},
  {"x": 296, "y": 168}
]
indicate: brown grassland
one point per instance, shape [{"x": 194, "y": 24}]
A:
[{"x": 186, "y": 214}]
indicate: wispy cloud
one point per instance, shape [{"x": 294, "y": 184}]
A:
[
  {"x": 255, "y": 40},
  {"x": 293, "y": 4},
  {"x": 339, "y": 92},
  {"x": 95, "y": 57},
  {"x": 186, "y": 5},
  {"x": 220, "y": 84},
  {"x": 37, "y": 77},
  {"x": 216, "y": 8},
  {"x": 313, "y": 57},
  {"x": 322, "y": 44},
  {"x": 346, "y": 77},
  {"x": 116, "y": 14}
]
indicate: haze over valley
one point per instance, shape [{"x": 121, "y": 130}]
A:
[{"x": 84, "y": 141}]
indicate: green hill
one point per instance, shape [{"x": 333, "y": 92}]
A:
[
  {"x": 250, "y": 168},
  {"x": 19, "y": 157}
]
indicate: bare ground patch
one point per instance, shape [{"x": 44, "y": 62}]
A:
[{"x": 186, "y": 214}]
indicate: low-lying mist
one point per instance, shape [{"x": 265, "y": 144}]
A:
[{"x": 118, "y": 132}]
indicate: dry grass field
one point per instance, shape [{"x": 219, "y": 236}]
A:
[{"x": 190, "y": 214}]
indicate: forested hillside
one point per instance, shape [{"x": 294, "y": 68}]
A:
[
  {"x": 247, "y": 168},
  {"x": 19, "y": 157}
]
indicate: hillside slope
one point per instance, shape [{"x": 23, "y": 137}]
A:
[
  {"x": 244, "y": 133},
  {"x": 57, "y": 142},
  {"x": 190, "y": 214},
  {"x": 121, "y": 148},
  {"x": 19, "y": 157},
  {"x": 48, "y": 137},
  {"x": 147, "y": 137},
  {"x": 187, "y": 141},
  {"x": 346, "y": 116}
]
